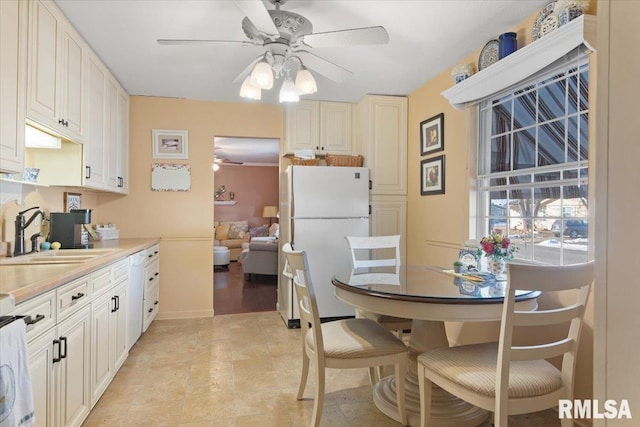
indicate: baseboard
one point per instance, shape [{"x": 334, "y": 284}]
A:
[{"x": 184, "y": 315}]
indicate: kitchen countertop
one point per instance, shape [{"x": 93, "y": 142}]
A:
[{"x": 27, "y": 281}]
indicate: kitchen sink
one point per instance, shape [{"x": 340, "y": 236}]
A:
[{"x": 60, "y": 256}]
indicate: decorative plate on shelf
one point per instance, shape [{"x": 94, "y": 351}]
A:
[
  {"x": 488, "y": 55},
  {"x": 545, "y": 22}
]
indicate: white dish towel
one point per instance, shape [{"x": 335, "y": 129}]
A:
[{"x": 16, "y": 396}]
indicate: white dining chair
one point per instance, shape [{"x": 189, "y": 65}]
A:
[
  {"x": 510, "y": 379},
  {"x": 378, "y": 251},
  {"x": 340, "y": 344}
]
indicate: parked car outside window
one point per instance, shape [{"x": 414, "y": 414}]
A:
[{"x": 572, "y": 228}]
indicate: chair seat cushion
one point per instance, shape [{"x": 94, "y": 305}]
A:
[
  {"x": 356, "y": 338},
  {"x": 473, "y": 367}
]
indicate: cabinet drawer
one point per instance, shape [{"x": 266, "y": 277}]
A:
[
  {"x": 151, "y": 274},
  {"x": 100, "y": 281},
  {"x": 152, "y": 254},
  {"x": 120, "y": 271},
  {"x": 72, "y": 296},
  {"x": 151, "y": 307},
  {"x": 41, "y": 310}
]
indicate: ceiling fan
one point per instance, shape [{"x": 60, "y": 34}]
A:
[{"x": 286, "y": 36}]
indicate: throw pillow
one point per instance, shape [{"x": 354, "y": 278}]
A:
[
  {"x": 237, "y": 231},
  {"x": 222, "y": 231},
  {"x": 259, "y": 231}
]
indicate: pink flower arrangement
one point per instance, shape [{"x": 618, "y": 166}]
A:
[{"x": 498, "y": 247}]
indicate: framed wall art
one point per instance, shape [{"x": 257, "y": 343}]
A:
[
  {"x": 71, "y": 201},
  {"x": 170, "y": 144},
  {"x": 432, "y": 176},
  {"x": 432, "y": 135}
]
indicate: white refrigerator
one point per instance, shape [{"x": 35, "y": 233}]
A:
[{"x": 319, "y": 207}]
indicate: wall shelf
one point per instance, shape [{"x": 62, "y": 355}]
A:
[
  {"x": 224, "y": 202},
  {"x": 509, "y": 71},
  {"x": 16, "y": 190}
]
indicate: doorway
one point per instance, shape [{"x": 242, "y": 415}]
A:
[{"x": 246, "y": 180}]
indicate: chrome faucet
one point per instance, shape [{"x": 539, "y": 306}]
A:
[{"x": 21, "y": 225}]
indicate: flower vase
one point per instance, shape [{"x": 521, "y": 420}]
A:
[{"x": 498, "y": 267}]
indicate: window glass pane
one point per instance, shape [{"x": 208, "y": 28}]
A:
[
  {"x": 520, "y": 179},
  {"x": 524, "y": 149},
  {"x": 551, "y": 101},
  {"x": 500, "y": 154},
  {"x": 495, "y": 182},
  {"x": 501, "y": 118},
  {"x": 524, "y": 110},
  {"x": 547, "y": 176},
  {"x": 584, "y": 90},
  {"x": 584, "y": 136},
  {"x": 551, "y": 143},
  {"x": 572, "y": 87}
]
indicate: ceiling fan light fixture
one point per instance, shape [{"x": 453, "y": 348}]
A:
[
  {"x": 305, "y": 83},
  {"x": 248, "y": 90},
  {"x": 262, "y": 75},
  {"x": 288, "y": 91}
]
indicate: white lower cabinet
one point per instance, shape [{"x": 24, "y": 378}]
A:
[
  {"x": 108, "y": 338},
  {"x": 77, "y": 343},
  {"x": 59, "y": 366}
]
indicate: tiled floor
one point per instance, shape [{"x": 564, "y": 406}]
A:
[{"x": 235, "y": 370}]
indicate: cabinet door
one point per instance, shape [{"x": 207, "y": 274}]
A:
[
  {"x": 45, "y": 32},
  {"x": 382, "y": 139},
  {"x": 302, "y": 126},
  {"x": 111, "y": 131},
  {"x": 101, "y": 343},
  {"x": 41, "y": 367},
  {"x": 389, "y": 217},
  {"x": 74, "y": 394},
  {"x": 95, "y": 155},
  {"x": 72, "y": 86},
  {"x": 13, "y": 38},
  {"x": 122, "y": 168},
  {"x": 335, "y": 128},
  {"x": 119, "y": 328}
]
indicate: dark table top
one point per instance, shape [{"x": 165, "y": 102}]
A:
[{"x": 424, "y": 284}]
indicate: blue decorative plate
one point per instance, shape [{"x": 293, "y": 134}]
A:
[
  {"x": 542, "y": 25},
  {"x": 488, "y": 55}
]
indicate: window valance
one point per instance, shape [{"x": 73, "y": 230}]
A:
[{"x": 577, "y": 38}]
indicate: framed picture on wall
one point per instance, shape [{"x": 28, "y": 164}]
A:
[
  {"x": 71, "y": 201},
  {"x": 432, "y": 176},
  {"x": 170, "y": 144},
  {"x": 432, "y": 135}
]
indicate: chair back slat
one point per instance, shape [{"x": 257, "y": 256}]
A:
[
  {"x": 547, "y": 317},
  {"x": 373, "y": 247},
  {"x": 542, "y": 351},
  {"x": 550, "y": 278}
]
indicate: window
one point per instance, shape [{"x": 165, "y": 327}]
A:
[{"x": 533, "y": 166}]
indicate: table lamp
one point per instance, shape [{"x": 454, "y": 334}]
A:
[{"x": 270, "y": 212}]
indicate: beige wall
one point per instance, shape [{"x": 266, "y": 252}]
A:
[
  {"x": 183, "y": 220},
  {"x": 254, "y": 188},
  {"x": 438, "y": 225}
]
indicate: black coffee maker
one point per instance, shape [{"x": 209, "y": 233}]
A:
[{"x": 67, "y": 228}]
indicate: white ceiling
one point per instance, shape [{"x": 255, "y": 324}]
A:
[{"x": 426, "y": 38}]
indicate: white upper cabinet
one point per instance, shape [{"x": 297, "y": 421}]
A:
[
  {"x": 122, "y": 168},
  {"x": 13, "y": 37},
  {"x": 324, "y": 127},
  {"x": 381, "y": 137},
  {"x": 95, "y": 155},
  {"x": 56, "y": 72}
]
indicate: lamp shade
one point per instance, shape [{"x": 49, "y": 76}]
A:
[
  {"x": 248, "y": 90},
  {"x": 270, "y": 211},
  {"x": 288, "y": 91},
  {"x": 305, "y": 83},
  {"x": 262, "y": 76}
]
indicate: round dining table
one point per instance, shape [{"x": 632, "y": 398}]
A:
[{"x": 429, "y": 296}]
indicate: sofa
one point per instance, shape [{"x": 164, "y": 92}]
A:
[
  {"x": 260, "y": 258},
  {"x": 231, "y": 234}
]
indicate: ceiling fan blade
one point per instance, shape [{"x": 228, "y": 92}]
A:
[
  {"x": 324, "y": 67},
  {"x": 352, "y": 37},
  {"x": 247, "y": 70},
  {"x": 259, "y": 16},
  {"x": 200, "y": 42}
]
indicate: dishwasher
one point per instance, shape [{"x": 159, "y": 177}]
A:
[{"x": 136, "y": 288}]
